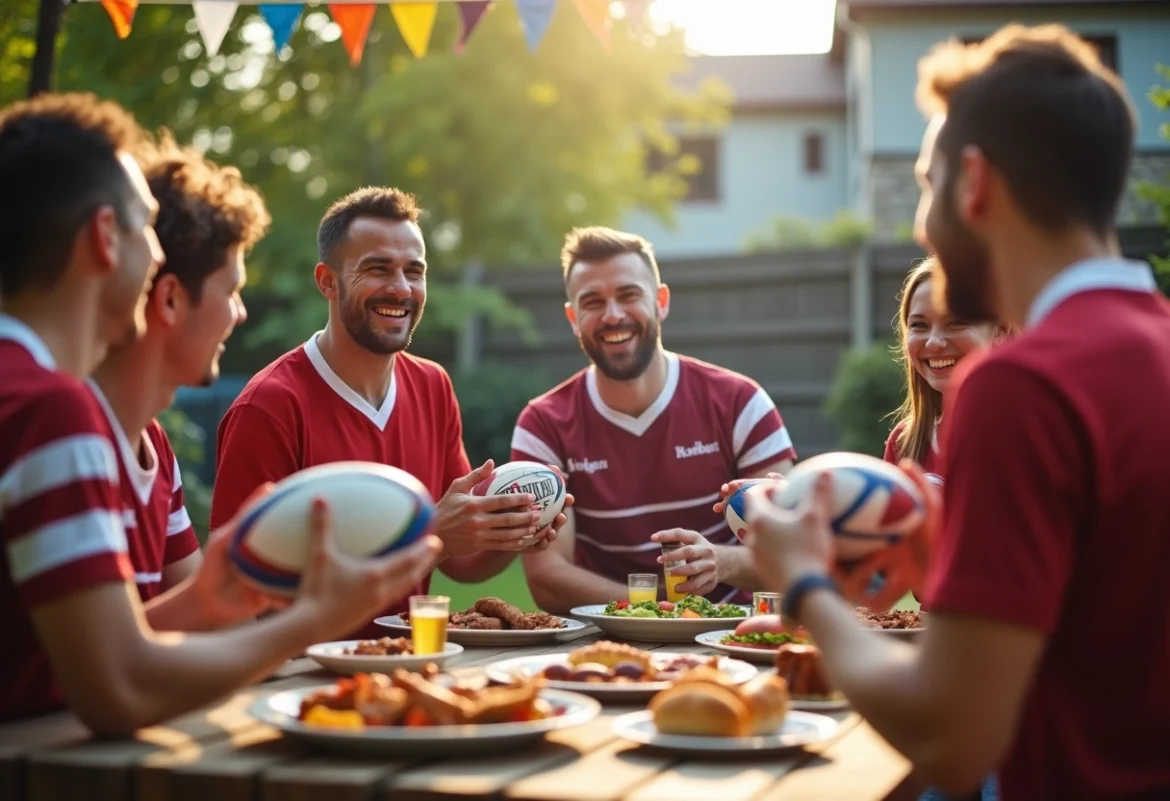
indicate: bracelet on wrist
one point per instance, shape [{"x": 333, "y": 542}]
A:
[{"x": 790, "y": 608}]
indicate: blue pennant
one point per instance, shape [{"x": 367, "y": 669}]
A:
[
  {"x": 535, "y": 16},
  {"x": 281, "y": 18}
]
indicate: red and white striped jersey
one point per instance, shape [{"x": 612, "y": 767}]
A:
[
  {"x": 633, "y": 476},
  {"x": 60, "y": 512}
]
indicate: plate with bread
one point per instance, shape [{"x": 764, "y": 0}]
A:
[
  {"x": 493, "y": 622},
  {"x": 660, "y": 621},
  {"x": 428, "y": 713},
  {"x": 701, "y": 715},
  {"x": 615, "y": 671}
]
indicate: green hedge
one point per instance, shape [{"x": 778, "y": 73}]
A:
[{"x": 867, "y": 388}]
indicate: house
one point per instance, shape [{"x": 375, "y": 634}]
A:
[{"x": 815, "y": 136}]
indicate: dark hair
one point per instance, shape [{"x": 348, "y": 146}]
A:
[
  {"x": 204, "y": 209},
  {"x": 1045, "y": 111},
  {"x": 598, "y": 243},
  {"x": 370, "y": 201},
  {"x": 58, "y": 165}
]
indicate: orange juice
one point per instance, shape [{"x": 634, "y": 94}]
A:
[
  {"x": 639, "y": 594},
  {"x": 428, "y": 631},
  {"x": 672, "y": 582}
]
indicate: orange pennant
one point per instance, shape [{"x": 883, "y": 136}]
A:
[
  {"x": 354, "y": 20},
  {"x": 596, "y": 16},
  {"x": 122, "y": 14}
]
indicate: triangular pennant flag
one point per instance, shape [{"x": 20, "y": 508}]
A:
[
  {"x": 122, "y": 14},
  {"x": 596, "y": 16},
  {"x": 535, "y": 15},
  {"x": 213, "y": 17},
  {"x": 470, "y": 15},
  {"x": 415, "y": 23},
  {"x": 354, "y": 19},
  {"x": 636, "y": 11},
  {"x": 281, "y": 18}
]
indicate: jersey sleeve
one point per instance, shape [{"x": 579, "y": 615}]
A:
[
  {"x": 457, "y": 464},
  {"x": 252, "y": 447},
  {"x": 60, "y": 507},
  {"x": 532, "y": 440},
  {"x": 181, "y": 539},
  {"x": 1017, "y": 483},
  {"x": 891, "y": 453},
  {"x": 759, "y": 436}
]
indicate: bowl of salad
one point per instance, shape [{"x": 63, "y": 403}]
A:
[{"x": 660, "y": 621}]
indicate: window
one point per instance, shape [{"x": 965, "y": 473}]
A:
[
  {"x": 814, "y": 153},
  {"x": 697, "y": 162},
  {"x": 1106, "y": 47}
]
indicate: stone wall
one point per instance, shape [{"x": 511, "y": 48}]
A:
[{"x": 894, "y": 193}]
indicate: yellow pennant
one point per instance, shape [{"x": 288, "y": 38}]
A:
[
  {"x": 415, "y": 22},
  {"x": 354, "y": 21},
  {"x": 122, "y": 14},
  {"x": 596, "y": 16}
]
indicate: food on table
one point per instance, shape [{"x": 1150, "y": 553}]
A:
[
  {"x": 384, "y": 646},
  {"x": 801, "y": 666},
  {"x": 417, "y": 699},
  {"x": 494, "y": 614},
  {"x": 697, "y": 706},
  {"x": 692, "y": 606},
  {"x": 618, "y": 663},
  {"x": 766, "y": 632},
  {"x": 894, "y": 619}
]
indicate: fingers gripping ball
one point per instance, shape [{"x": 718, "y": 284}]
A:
[
  {"x": 874, "y": 504},
  {"x": 376, "y": 509},
  {"x": 539, "y": 480},
  {"x": 735, "y": 507}
]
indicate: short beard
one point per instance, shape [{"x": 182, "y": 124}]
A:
[
  {"x": 961, "y": 281},
  {"x": 643, "y": 356},
  {"x": 355, "y": 318}
]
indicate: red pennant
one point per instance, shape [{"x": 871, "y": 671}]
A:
[
  {"x": 470, "y": 15},
  {"x": 354, "y": 21},
  {"x": 122, "y": 14}
]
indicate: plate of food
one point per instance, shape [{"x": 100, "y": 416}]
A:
[
  {"x": 907, "y": 623},
  {"x": 660, "y": 621},
  {"x": 701, "y": 716},
  {"x": 492, "y": 621},
  {"x": 613, "y": 671},
  {"x": 376, "y": 656},
  {"x": 422, "y": 714},
  {"x": 755, "y": 639}
]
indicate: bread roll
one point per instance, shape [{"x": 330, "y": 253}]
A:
[
  {"x": 701, "y": 709},
  {"x": 766, "y": 696}
]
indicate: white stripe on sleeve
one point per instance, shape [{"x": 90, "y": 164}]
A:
[
  {"x": 80, "y": 457},
  {"x": 178, "y": 521},
  {"x": 526, "y": 441},
  {"x": 66, "y": 540},
  {"x": 766, "y": 449},
  {"x": 753, "y": 412}
]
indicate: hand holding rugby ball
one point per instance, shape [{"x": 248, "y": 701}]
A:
[
  {"x": 735, "y": 507},
  {"x": 539, "y": 480}
]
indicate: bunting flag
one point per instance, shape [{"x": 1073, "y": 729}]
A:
[
  {"x": 535, "y": 15},
  {"x": 354, "y": 19},
  {"x": 596, "y": 16},
  {"x": 281, "y": 18},
  {"x": 636, "y": 12},
  {"x": 213, "y": 17},
  {"x": 122, "y": 14},
  {"x": 415, "y": 23},
  {"x": 470, "y": 15}
]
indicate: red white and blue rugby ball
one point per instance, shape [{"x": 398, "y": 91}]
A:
[
  {"x": 874, "y": 504},
  {"x": 543, "y": 482},
  {"x": 376, "y": 509},
  {"x": 735, "y": 507}
]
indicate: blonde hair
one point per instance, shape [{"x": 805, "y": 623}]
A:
[{"x": 922, "y": 404}]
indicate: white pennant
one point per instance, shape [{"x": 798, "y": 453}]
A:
[{"x": 213, "y": 17}]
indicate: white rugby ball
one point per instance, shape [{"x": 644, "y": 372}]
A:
[
  {"x": 735, "y": 507},
  {"x": 874, "y": 503},
  {"x": 543, "y": 482},
  {"x": 376, "y": 509}
]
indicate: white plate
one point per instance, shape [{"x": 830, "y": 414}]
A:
[
  {"x": 528, "y": 666},
  {"x": 799, "y": 728},
  {"x": 331, "y": 655},
  {"x": 651, "y": 629},
  {"x": 711, "y": 639},
  {"x": 281, "y": 709},
  {"x": 487, "y": 636},
  {"x": 908, "y": 634}
]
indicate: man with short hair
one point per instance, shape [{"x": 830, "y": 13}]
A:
[
  {"x": 1048, "y": 649},
  {"x": 647, "y": 438},
  {"x": 76, "y": 218},
  {"x": 352, "y": 392}
]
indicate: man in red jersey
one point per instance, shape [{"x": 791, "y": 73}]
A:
[
  {"x": 646, "y": 437},
  {"x": 1048, "y": 649},
  {"x": 76, "y": 218},
  {"x": 352, "y": 392},
  {"x": 207, "y": 219}
]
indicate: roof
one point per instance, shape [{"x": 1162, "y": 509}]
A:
[{"x": 777, "y": 81}]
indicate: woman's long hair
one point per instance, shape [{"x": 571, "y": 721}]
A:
[{"x": 922, "y": 404}]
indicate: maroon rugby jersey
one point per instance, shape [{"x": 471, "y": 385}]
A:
[{"x": 633, "y": 476}]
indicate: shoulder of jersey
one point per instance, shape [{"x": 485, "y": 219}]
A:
[
  {"x": 277, "y": 381},
  {"x": 423, "y": 365},
  {"x": 714, "y": 373},
  {"x": 158, "y": 435},
  {"x": 560, "y": 397}
]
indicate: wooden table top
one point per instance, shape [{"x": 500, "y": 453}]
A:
[{"x": 221, "y": 753}]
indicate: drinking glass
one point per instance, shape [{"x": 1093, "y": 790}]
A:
[
  {"x": 643, "y": 587},
  {"x": 428, "y": 623}
]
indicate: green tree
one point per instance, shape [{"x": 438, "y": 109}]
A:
[
  {"x": 867, "y": 389},
  {"x": 1160, "y": 193}
]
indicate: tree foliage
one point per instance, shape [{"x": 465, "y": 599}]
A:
[{"x": 1160, "y": 193}]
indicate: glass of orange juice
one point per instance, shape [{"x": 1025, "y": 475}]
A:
[
  {"x": 672, "y": 581},
  {"x": 642, "y": 587},
  {"x": 428, "y": 623}
]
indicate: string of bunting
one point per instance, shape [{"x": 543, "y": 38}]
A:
[{"x": 415, "y": 20}]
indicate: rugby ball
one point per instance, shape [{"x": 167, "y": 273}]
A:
[
  {"x": 874, "y": 503},
  {"x": 539, "y": 480},
  {"x": 376, "y": 509},
  {"x": 735, "y": 507}
]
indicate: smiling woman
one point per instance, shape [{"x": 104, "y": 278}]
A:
[{"x": 750, "y": 27}]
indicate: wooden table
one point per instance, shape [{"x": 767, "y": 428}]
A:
[{"x": 222, "y": 754}]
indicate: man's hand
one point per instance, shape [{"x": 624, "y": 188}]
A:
[
  {"x": 469, "y": 523},
  {"x": 731, "y": 486},
  {"x": 699, "y": 560},
  {"x": 547, "y": 535}
]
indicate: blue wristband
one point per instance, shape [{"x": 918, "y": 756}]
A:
[{"x": 800, "y": 588}]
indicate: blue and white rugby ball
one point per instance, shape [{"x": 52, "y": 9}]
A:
[
  {"x": 735, "y": 507},
  {"x": 376, "y": 509},
  {"x": 874, "y": 503}
]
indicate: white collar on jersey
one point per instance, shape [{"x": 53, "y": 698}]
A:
[
  {"x": 378, "y": 417},
  {"x": 635, "y": 425},
  {"x": 1087, "y": 275},
  {"x": 142, "y": 478},
  {"x": 16, "y": 331}
]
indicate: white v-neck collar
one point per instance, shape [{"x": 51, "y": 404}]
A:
[
  {"x": 16, "y": 331},
  {"x": 142, "y": 478},
  {"x": 1087, "y": 275},
  {"x": 635, "y": 425},
  {"x": 378, "y": 417}
]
